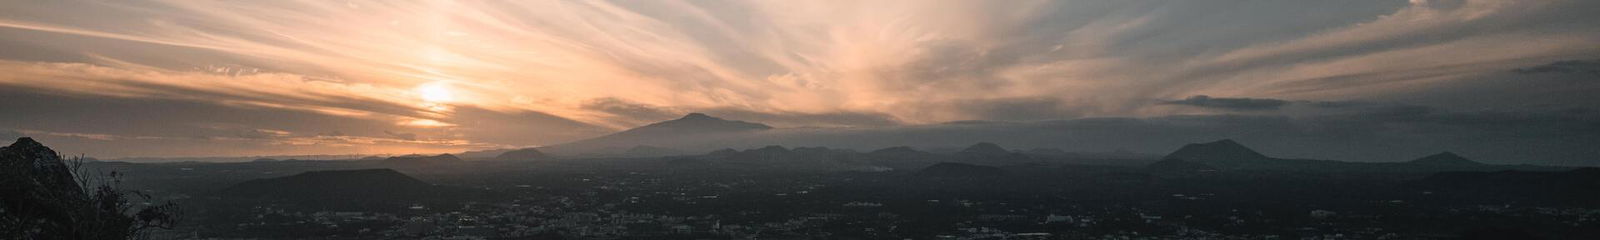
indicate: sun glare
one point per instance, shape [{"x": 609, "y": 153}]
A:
[{"x": 436, "y": 92}]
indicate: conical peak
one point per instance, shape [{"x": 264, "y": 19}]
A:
[
  {"x": 1225, "y": 150},
  {"x": 692, "y": 116},
  {"x": 26, "y": 143},
  {"x": 1444, "y": 158}
]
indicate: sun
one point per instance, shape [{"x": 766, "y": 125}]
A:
[{"x": 436, "y": 92}]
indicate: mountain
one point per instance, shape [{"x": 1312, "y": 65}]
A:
[
  {"x": 522, "y": 155},
  {"x": 412, "y": 160},
  {"x": 1445, "y": 159},
  {"x": 985, "y": 149},
  {"x": 960, "y": 170},
  {"x": 489, "y": 153},
  {"x": 1224, "y": 154},
  {"x": 371, "y": 184},
  {"x": 1229, "y": 155},
  {"x": 1221, "y": 151},
  {"x": 903, "y": 158},
  {"x": 698, "y": 126},
  {"x": 986, "y": 153}
]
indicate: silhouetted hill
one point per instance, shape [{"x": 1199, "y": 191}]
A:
[
  {"x": 985, "y": 149},
  {"x": 363, "y": 184},
  {"x": 960, "y": 170},
  {"x": 1445, "y": 158},
  {"x": 1227, "y": 154},
  {"x": 522, "y": 155},
  {"x": 490, "y": 153},
  {"x": 1224, "y": 152},
  {"x": 986, "y": 153},
  {"x": 657, "y": 134},
  {"x": 31, "y": 167},
  {"x": 903, "y": 158},
  {"x": 412, "y": 160}
]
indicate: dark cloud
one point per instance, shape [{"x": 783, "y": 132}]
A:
[
  {"x": 1239, "y": 104},
  {"x": 1589, "y": 67}
]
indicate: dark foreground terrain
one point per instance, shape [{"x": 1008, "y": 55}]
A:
[{"x": 1218, "y": 190}]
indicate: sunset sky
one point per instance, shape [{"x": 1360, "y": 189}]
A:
[{"x": 235, "y": 78}]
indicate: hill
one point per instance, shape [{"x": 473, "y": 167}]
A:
[
  {"x": 1230, "y": 155},
  {"x": 1224, "y": 152},
  {"x": 415, "y": 160},
  {"x": 665, "y": 134},
  {"x": 522, "y": 154},
  {"x": 1445, "y": 159},
  {"x": 986, "y": 153}
]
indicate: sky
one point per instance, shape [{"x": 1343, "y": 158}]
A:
[{"x": 240, "y": 78}]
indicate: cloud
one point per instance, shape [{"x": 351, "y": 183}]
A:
[
  {"x": 1589, "y": 67},
  {"x": 402, "y": 135},
  {"x": 1237, "y": 104}
]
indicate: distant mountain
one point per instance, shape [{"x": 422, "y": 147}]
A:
[
  {"x": 663, "y": 133},
  {"x": 1229, "y": 155},
  {"x": 985, "y": 149},
  {"x": 1224, "y": 152},
  {"x": 960, "y": 170},
  {"x": 987, "y": 153},
  {"x": 1445, "y": 159},
  {"x": 903, "y": 158},
  {"x": 412, "y": 160},
  {"x": 369, "y": 184},
  {"x": 489, "y": 153},
  {"x": 522, "y": 155}
]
